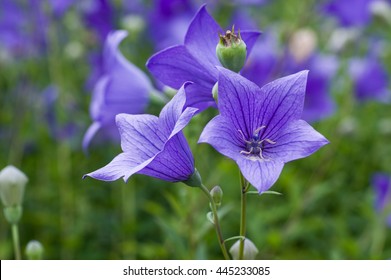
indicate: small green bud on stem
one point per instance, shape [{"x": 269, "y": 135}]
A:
[{"x": 217, "y": 195}]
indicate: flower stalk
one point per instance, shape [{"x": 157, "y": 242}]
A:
[
  {"x": 15, "y": 238},
  {"x": 216, "y": 222},
  {"x": 243, "y": 203}
]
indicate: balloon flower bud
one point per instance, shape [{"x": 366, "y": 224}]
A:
[
  {"x": 249, "y": 252},
  {"x": 34, "y": 250},
  {"x": 12, "y": 184},
  {"x": 231, "y": 51},
  {"x": 217, "y": 195}
]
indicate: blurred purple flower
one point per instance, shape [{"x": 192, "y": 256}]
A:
[
  {"x": 319, "y": 103},
  {"x": 263, "y": 63},
  {"x": 123, "y": 88},
  {"x": 99, "y": 16},
  {"x": 196, "y": 60},
  {"x": 153, "y": 146},
  {"x": 370, "y": 79},
  {"x": 23, "y": 27},
  {"x": 260, "y": 128},
  {"x": 60, "y": 7},
  {"x": 49, "y": 101},
  {"x": 168, "y": 21},
  {"x": 382, "y": 186},
  {"x": 349, "y": 12}
]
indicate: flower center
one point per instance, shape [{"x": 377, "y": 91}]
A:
[{"x": 255, "y": 145}]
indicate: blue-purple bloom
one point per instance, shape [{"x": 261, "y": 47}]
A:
[
  {"x": 349, "y": 12},
  {"x": 260, "y": 128},
  {"x": 196, "y": 60},
  {"x": 264, "y": 62},
  {"x": 168, "y": 21},
  {"x": 370, "y": 79},
  {"x": 382, "y": 185},
  {"x": 319, "y": 103},
  {"x": 153, "y": 146},
  {"x": 23, "y": 27},
  {"x": 123, "y": 88}
]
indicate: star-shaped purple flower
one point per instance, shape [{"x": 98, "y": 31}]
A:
[
  {"x": 260, "y": 128},
  {"x": 153, "y": 146},
  {"x": 382, "y": 185},
  {"x": 123, "y": 88},
  {"x": 196, "y": 60}
]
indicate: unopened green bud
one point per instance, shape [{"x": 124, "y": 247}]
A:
[
  {"x": 231, "y": 51},
  {"x": 12, "y": 185},
  {"x": 249, "y": 251},
  {"x": 34, "y": 250},
  {"x": 217, "y": 195}
]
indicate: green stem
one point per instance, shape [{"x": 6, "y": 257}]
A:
[
  {"x": 15, "y": 238},
  {"x": 243, "y": 194},
  {"x": 216, "y": 222}
]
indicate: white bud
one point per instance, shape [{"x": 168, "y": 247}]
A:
[
  {"x": 12, "y": 185},
  {"x": 34, "y": 250},
  {"x": 249, "y": 251}
]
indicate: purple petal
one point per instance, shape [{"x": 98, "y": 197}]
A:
[
  {"x": 296, "y": 141},
  {"x": 173, "y": 117},
  {"x": 98, "y": 100},
  {"x": 141, "y": 135},
  {"x": 175, "y": 65},
  {"x": 122, "y": 166},
  {"x": 202, "y": 38},
  {"x": 175, "y": 163},
  {"x": 249, "y": 37},
  {"x": 281, "y": 102},
  {"x": 261, "y": 174},
  {"x": 220, "y": 134},
  {"x": 199, "y": 98},
  {"x": 237, "y": 101}
]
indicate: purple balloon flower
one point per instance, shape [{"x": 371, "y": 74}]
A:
[
  {"x": 382, "y": 186},
  {"x": 350, "y": 12},
  {"x": 263, "y": 63},
  {"x": 319, "y": 103},
  {"x": 196, "y": 60},
  {"x": 260, "y": 128},
  {"x": 153, "y": 146},
  {"x": 370, "y": 79},
  {"x": 168, "y": 21},
  {"x": 23, "y": 27},
  {"x": 123, "y": 88}
]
